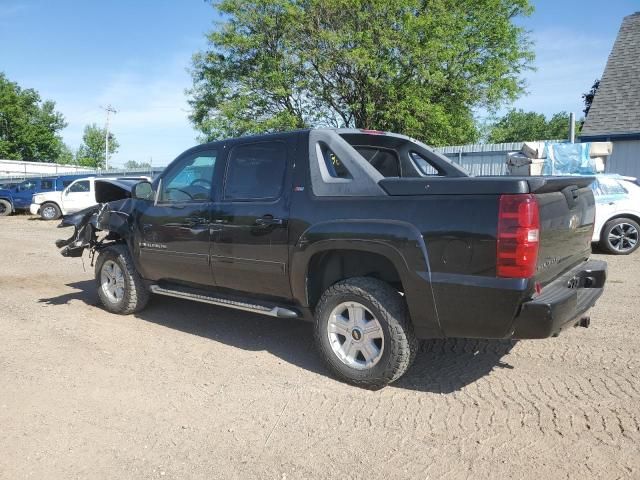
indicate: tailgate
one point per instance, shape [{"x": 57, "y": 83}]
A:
[{"x": 567, "y": 214}]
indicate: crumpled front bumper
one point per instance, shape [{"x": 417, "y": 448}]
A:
[
  {"x": 563, "y": 302},
  {"x": 34, "y": 209}
]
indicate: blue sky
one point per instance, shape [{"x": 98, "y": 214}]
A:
[{"x": 135, "y": 54}]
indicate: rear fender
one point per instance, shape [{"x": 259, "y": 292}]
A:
[{"x": 399, "y": 242}]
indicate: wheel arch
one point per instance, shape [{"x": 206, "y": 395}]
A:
[
  {"x": 389, "y": 250},
  {"x": 633, "y": 216},
  {"x": 54, "y": 203},
  {"x": 10, "y": 200}
]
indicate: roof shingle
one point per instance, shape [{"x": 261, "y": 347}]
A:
[{"x": 616, "y": 105}]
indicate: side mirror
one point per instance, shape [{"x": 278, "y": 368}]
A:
[{"x": 143, "y": 191}]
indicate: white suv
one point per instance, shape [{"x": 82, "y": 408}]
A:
[
  {"x": 617, "y": 214},
  {"x": 80, "y": 194}
]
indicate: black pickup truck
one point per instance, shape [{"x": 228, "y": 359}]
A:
[{"x": 375, "y": 237}]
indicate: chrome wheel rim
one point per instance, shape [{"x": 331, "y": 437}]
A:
[
  {"x": 48, "y": 212},
  {"x": 112, "y": 281},
  {"x": 623, "y": 237},
  {"x": 355, "y": 335},
  {"x": 2, "y": 208}
]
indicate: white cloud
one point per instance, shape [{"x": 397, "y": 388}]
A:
[{"x": 152, "y": 117}]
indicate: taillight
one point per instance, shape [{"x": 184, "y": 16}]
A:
[{"x": 518, "y": 236}]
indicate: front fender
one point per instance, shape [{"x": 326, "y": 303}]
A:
[{"x": 400, "y": 242}]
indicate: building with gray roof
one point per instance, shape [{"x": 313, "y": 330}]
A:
[{"x": 615, "y": 112}]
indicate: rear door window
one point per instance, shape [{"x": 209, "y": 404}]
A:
[
  {"x": 256, "y": 171},
  {"x": 27, "y": 186}
]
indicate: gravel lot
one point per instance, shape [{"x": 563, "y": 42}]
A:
[{"x": 186, "y": 390}]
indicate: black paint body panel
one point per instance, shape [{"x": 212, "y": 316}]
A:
[{"x": 438, "y": 233}]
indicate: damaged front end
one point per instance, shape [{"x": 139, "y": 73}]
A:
[
  {"x": 95, "y": 227},
  {"x": 101, "y": 224},
  {"x": 84, "y": 234}
]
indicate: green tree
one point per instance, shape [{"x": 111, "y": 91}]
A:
[
  {"x": 416, "y": 67},
  {"x": 521, "y": 126},
  {"x": 29, "y": 127},
  {"x": 588, "y": 97},
  {"x": 132, "y": 165},
  {"x": 91, "y": 152},
  {"x": 66, "y": 156}
]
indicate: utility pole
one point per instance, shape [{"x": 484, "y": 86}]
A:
[
  {"x": 109, "y": 109},
  {"x": 572, "y": 127}
]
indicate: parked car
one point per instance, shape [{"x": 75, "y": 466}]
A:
[
  {"x": 19, "y": 197},
  {"x": 617, "y": 214},
  {"x": 78, "y": 195},
  {"x": 375, "y": 237}
]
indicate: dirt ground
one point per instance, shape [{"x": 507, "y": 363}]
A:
[{"x": 191, "y": 391}]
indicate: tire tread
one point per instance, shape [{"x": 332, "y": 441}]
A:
[
  {"x": 136, "y": 294},
  {"x": 388, "y": 301}
]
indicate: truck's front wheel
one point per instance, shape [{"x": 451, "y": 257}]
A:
[
  {"x": 120, "y": 287},
  {"x": 363, "y": 332},
  {"x": 50, "y": 211}
]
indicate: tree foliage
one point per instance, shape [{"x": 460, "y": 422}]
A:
[
  {"x": 91, "y": 152},
  {"x": 132, "y": 165},
  {"x": 521, "y": 126},
  {"x": 66, "y": 156},
  {"x": 411, "y": 66},
  {"x": 29, "y": 127},
  {"x": 588, "y": 97}
]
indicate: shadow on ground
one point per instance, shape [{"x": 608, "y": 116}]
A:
[{"x": 442, "y": 366}]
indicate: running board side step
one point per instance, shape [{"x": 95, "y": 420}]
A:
[{"x": 275, "y": 311}]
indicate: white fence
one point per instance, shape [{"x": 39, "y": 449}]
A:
[{"x": 20, "y": 169}]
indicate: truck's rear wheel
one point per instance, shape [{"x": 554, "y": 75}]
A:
[
  {"x": 120, "y": 287},
  {"x": 50, "y": 211},
  {"x": 5, "y": 208},
  {"x": 363, "y": 332},
  {"x": 620, "y": 236}
]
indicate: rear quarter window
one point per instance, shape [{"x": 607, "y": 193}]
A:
[
  {"x": 608, "y": 186},
  {"x": 424, "y": 166}
]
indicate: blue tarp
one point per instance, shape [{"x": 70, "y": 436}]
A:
[{"x": 568, "y": 159}]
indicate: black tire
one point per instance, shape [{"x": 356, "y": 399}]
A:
[
  {"x": 625, "y": 245},
  {"x": 50, "y": 211},
  {"x": 389, "y": 309},
  {"x": 5, "y": 208},
  {"x": 135, "y": 294}
]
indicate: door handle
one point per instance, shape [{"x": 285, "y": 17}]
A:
[
  {"x": 195, "y": 221},
  {"x": 268, "y": 220}
]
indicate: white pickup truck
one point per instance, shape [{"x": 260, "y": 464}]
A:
[{"x": 80, "y": 194}]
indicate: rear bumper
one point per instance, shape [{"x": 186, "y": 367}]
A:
[
  {"x": 563, "y": 302},
  {"x": 34, "y": 208}
]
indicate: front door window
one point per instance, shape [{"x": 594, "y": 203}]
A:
[{"x": 190, "y": 182}]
